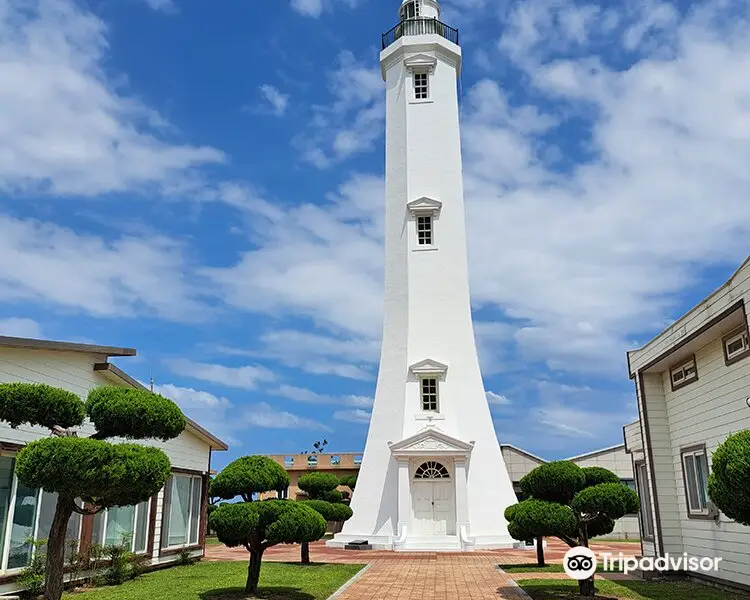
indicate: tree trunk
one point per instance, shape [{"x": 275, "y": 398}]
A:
[
  {"x": 53, "y": 587},
  {"x": 540, "y": 551},
  {"x": 586, "y": 587},
  {"x": 253, "y": 571},
  {"x": 305, "y": 553}
]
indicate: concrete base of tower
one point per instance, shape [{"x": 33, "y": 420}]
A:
[{"x": 378, "y": 542}]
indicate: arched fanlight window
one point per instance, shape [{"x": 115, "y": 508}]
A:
[
  {"x": 411, "y": 10},
  {"x": 431, "y": 470}
]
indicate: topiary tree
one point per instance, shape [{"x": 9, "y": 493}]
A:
[
  {"x": 326, "y": 499},
  {"x": 99, "y": 473},
  {"x": 571, "y": 503},
  {"x": 729, "y": 481},
  {"x": 258, "y": 525},
  {"x": 330, "y": 511},
  {"x": 350, "y": 481}
]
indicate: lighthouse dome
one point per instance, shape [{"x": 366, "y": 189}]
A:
[{"x": 416, "y": 9}]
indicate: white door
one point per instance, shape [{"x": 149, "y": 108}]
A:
[{"x": 433, "y": 501}]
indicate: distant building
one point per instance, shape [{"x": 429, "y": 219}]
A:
[
  {"x": 342, "y": 464},
  {"x": 519, "y": 463},
  {"x": 692, "y": 384}
]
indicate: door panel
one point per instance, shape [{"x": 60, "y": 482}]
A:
[
  {"x": 442, "y": 497},
  {"x": 423, "y": 514}
]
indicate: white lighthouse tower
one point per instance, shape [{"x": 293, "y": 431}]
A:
[{"x": 432, "y": 475}]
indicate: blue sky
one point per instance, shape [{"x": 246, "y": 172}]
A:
[{"x": 204, "y": 182}]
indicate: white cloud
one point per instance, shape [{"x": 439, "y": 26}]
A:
[
  {"x": 162, "y": 5},
  {"x": 247, "y": 377},
  {"x": 64, "y": 128},
  {"x": 279, "y": 102},
  {"x": 353, "y": 122},
  {"x": 497, "y": 399},
  {"x": 353, "y": 416},
  {"x": 315, "y": 8},
  {"x": 25, "y": 328},
  {"x": 299, "y": 394},
  {"x": 122, "y": 277},
  {"x": 318, "y": 262},
  {"x": 264, "y": 415}
]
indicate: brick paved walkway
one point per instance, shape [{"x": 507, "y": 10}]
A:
[{"x": 425, "y": 575}]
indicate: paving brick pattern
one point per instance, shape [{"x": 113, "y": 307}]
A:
[{"x": 426, "y": 575}]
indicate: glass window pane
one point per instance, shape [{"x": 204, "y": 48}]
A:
[
  {"x": 141, "y": 527},
  {"x": 22, "y": 529},
  {"x": 47, "y": 514},
  {"x": 100, "y": 519},
  {"x": 701, "y": 468},
  {"x": 120, "y": 526},
  {"x": 7, "y": 465},
  {"x": 195, "y": 510},
  {"x": 690, "y": 482},
  {"x": 180, "y": 505}
]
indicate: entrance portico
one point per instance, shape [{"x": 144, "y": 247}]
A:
[{"x": 433, "y": 511}]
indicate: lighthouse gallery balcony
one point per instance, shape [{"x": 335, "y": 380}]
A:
[{"x": 420, "y": 26}]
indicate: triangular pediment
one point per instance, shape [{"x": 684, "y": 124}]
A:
[
  {"x": 428, "y": 367},
  {"x": 420, "y": 61},
  {"x": 431, "y": 442},
  {"x": 425, "y": 205}
]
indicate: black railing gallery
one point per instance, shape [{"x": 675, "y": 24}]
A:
[{"x": 420, "y": 27}]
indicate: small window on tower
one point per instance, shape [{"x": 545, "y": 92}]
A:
[
  {"x": 429, "y": 394},
  {"x": 410, "y": 10},
  {"x": 421, "y": 86},
  {"x": 424, "y": 231}
]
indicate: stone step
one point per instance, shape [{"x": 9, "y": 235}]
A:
[{"x": 435, "y": 543}]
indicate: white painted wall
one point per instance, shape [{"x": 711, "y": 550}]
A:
[
  {"x": 427, "y": 304},
  {"x": 74, "y": 371},
  {"x": 703, "y": 412}
]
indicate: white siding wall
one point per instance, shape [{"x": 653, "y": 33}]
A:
[
  {"x": 633, "y": 439},
  {"x": 518, "y": 463},
  {"x": 74, "y": 371},
  {"x": 706, "y": 412},
  {"x": 662, "y": 469}
]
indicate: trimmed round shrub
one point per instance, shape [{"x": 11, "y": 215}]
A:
[
  {"x": 318, "y": 484},
  {"x": 729, "y": 482},
  {"x": 96, "y": 471},
  {"x": 349, "y": 480},
  {"x": 40, "y": 404},
  {"x": 330, "y": 511},
  {"x": 134, "y": 414},
  {"x": 597, "y": 475},
  {"x": 274, "y": 521},
  {"x": 536, "y": 518},
  {"x": 601, "y": 525},
  {"x": 249, "y": 475},
  {"x": 611, "y": 499},
  {"x": 333, "y": 496},
  {"x": 556, "y": 481}
]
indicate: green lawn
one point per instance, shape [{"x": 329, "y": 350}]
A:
[
  {"x": 212, "y": 540},
  {"x": 549, "y": 589},
  {"x": 226, "y": 580},
  {"x": 549, "y": 568}
]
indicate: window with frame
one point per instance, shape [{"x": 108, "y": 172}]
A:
[
  {"x": 411, "y": 10},
  {"x": 123, "y": 525},
  {"x": 429, "y": 394},
  {"x": 335, "y": 459},
  {"x": 736, "y": 345},
  {"x": 421, "y": 85},
  {"x": 26, "y": 514},
  {"x": 358, "y": 459},
  {"x": 182, "y": 510},
  {"x": 424, "y": 230},
  {"x": 683, "y": 374},
  {"x": 644, "y": 494},
  {"x": 695, "y": 475}
]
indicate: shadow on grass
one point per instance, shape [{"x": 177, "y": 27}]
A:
[{"x": 265, "y": 593}]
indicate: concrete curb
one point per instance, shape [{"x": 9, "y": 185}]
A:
[
  {"x": 345, "y": 587},
  {"x": 512, "y": 583}
]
